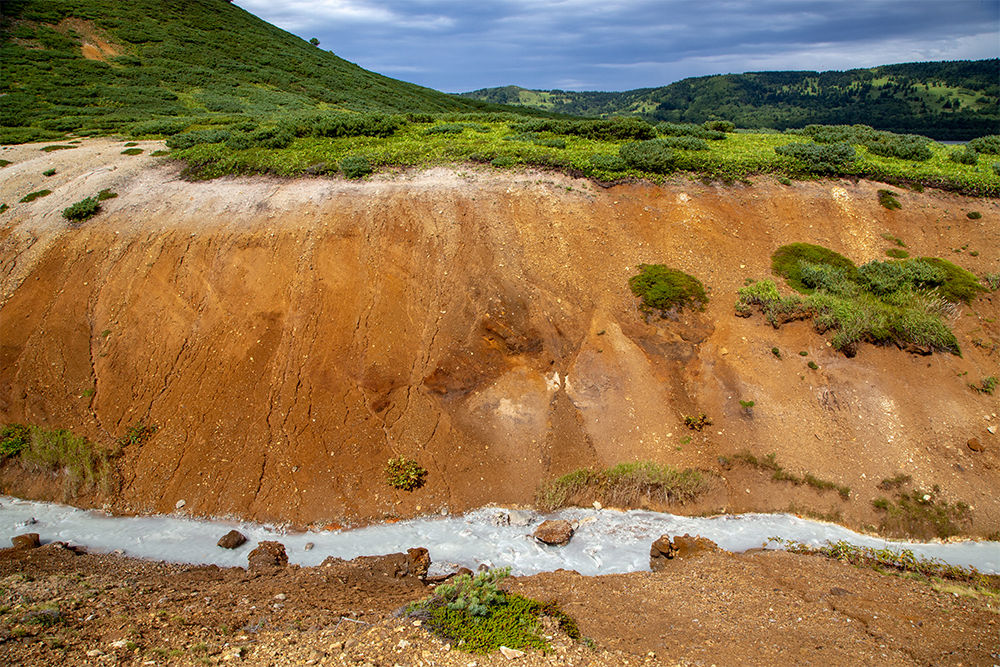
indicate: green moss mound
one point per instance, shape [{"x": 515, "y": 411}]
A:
[
  {"x": 662, "y": 288},
  {"x": 787, "y": 263},
  {"x": 958, "y": 285}
]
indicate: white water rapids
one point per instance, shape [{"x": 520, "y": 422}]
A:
[{"x": 606, "y": 541}]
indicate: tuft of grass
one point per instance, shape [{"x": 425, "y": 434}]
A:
[
  {"x": 897, "y": 253},
  {"x": 697, "y": 423},
  {"x": 404, "y": 474},
  {"x": 813, "y": 366},
  {"x": 475, "y": 615},
  {"x": 84, "y": 465},
  {"x": 104, "y": 195},
  {"x": 138, "y": 433},
  {"x": 779, "y": 474},
  {"x": 132, "y": 151},
  {"x": 776, "y": 352},
  {"x": 895, "y": 239},
  {"x": 55, "y": 147},
  {"x": 49, "y": 172},
  {"x": 973, "y": 215},
  {"x": 958, "y": 285},
  {"x": 623, "y": 485},
  {"x": 993, "y": 280},
  {"x": 664, "y": 289},
  {"x": 986, "y": 385},
  {"x": 32, "y": 196},
  {"x": 887, "y": 560},
  {"x": 892, "y": 483},
  {"x": 887, "y": 198}
]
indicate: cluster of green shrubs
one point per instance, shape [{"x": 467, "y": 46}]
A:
[
  {"x": 902, "y": 301},
  {"x": 711, "y": 130},
  {"x": 618, "y": 128},
  {"x": 888, "y": 144},
  {"x": 623, "y": 485},
  {"x": 87, "y": 208},
  {"x": 663, "y": 288},
  {"x": 820, "y": 158},
  {"x": 475, "y": 615}
]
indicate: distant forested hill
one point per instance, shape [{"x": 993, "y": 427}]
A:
[
  {"x": 956, "y": 100},
  {"x": 101, "y": 66}
]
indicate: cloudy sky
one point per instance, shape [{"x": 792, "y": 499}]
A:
[{"x": 462, "y": 45}]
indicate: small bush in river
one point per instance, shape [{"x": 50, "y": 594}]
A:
[{"x": 404, "y": 474}]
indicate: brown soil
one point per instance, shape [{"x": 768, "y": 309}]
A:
[
  {"x": 289, "y": 336},
  {"x": 765, "y": 608}
]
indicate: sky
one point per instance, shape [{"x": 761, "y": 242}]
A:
[{"x": 612, "y": 45}]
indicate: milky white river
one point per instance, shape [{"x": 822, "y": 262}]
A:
[{"x": 606, "y": 541}]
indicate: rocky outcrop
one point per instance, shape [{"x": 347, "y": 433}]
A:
[
  {"x": 26, "y": 541},
  {"x": 267, "y": 556},
  {"x": 682, "y": 546},
  {"x": 232, "y": 540},
  {"x": 554, "y": 533},
  {"x": 413, "y": 564}
]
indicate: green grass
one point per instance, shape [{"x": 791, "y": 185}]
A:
[
  {"x": 82, "y": 210},
  {"x": 404, "y": 474},
  {"x": 787, "y": 261},
  {"x": 132, "y": 151},
  {"x": 623, "y": 485},
  {"x": 779, "y": 474},
  {"x": 922, "y": 514},
  {"x": 84, "y": 465}
]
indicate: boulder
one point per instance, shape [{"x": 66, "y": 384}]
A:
[
  {"x": 267, "y": 556},
  {"x": 555, "y": 533},
  {"x": 414, "y": 563},
  {"x": 685, "y": 546},
  {"x": 232, "y": 540},
  {"x": 26, "y": 541}
]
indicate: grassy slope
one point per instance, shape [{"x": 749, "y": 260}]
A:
[{"x": 206, "y": 60}]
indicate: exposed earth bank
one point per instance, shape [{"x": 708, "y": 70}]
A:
[{"x": 289, "y": 337}]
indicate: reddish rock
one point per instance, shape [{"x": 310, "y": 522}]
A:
[
  {"x": 26, "y": 541},
  {"x": 267, "y": 556},
  {"x": 555, "y": 533},
  {"x": 418, "y": 561},
  {"x": 414, "y": 563},
  {"x": 232, "y": 540},
  {"x": 975, "y": 445}
]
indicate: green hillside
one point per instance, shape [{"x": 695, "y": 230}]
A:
[
  {"x": 100, "y": 66},
  {"x": 956, "y": 100}
]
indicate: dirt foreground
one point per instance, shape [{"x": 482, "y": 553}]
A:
[{"x": 764, "y": 608}]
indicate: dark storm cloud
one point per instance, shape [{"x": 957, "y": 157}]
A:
[{"x": 620, "y": 45}]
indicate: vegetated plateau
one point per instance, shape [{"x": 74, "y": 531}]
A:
[{"x": 456, "y": 303}]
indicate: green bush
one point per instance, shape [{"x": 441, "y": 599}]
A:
[
  {"x": 689, "y": 130},
  {"x": 685, "y": 143},
  {"x": 14, "y": 438},
  {"x": 49, "y": 172},
  {"x": 82, "y": 210},
  {"x": 974, "y": 215},
  {"x": 105, "y": 195},
  {"x": 404, "y": 474},
  {"x": 819, "y": 159},
  {"x": 355, "y": 166},
  {"x": 988, "y": 144},
  {"x": 475, "y": 615},
  {"x": 606, "y": 162},
  {"x": 884, "y": 278},
  {"x": 32, "y": 196},
  {"x": 195, "y": 137},
  {"x": 787, "y": 263},
  {"x": 662, "y": 288},
  {"x": 959, "y": 285},
  {"x": 720, "y": 125},
  {"x": 652, "y": 156},
  {"x": 132, "y": 151},
  {"x": 963, "y": 156},
  {"x": 887, "y": 198}
]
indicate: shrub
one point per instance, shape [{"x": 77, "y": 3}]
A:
[
  {"x": 897, "y": 253},
  {"x": 606, "y": 162},
  {"x": 986, "y": 385},
  {"x": 820, "y": 159},
  {"x": 404, "y": 474},
  {"x": 195, "y": 137},
  {"x": 137, "y": 434},
  {"x": 964, "y": 155},
  {"x": 662, "y": 288},
  {"x": 884, "y": 278},
  {"x": 82, "y": 210},
  {"x": 49, "y": 172},
  {"x": 887, "y": 198},
  {"x": 697, "y": 423},
  {"x": 776, "y": 352},
  {"x": 652, "y": 156},
  {"x": 974, "y": 215},
  {"x": 689, "y": 130},
  {"x": 474, "y": 614},
  {"x": 993, "y": 280},
  {"x": 958, "y": 285},
  {"x": 32, "y": 196},
  {"x": 787, "y": 262},
  {"x": 14, "y": 438},
  {"x": 83, "y": 464},
  {"x": 720, "y": 125},
  {"x": 161, "y": 126},
  {"x": 988, "y": 144},
  {"x": 355, "y": 166},
  {"x": 105, "y": 195},
  {"x": 132, "y": 151}
]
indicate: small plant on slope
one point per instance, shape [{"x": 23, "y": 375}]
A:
[
  {"x": 404, "y": 474},
  {"x": 662, "y": 288}
]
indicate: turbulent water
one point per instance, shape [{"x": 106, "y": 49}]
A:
[{"x": 605, "y": 542}]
